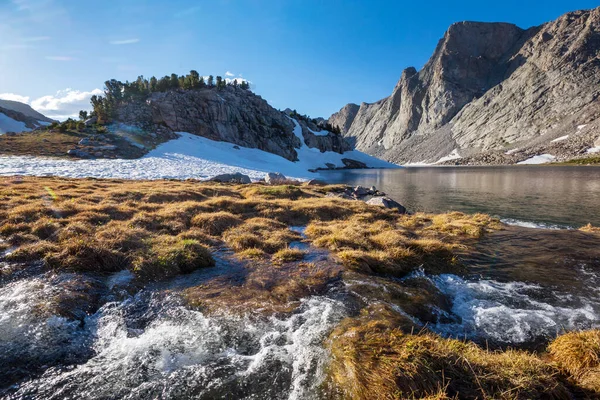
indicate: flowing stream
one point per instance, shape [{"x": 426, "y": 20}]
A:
[{"x": 523, "y": 287}]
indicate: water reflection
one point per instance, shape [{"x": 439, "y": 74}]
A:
[{"x": 567, "y": 196}]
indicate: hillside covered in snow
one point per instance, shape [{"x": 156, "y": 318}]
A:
[
  {"x": 191, "y": 156},
  {"x": 20, "y": 117}
]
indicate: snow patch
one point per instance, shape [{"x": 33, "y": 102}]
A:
[
  {"x": 593, "y": 150},
  {"x": 189, "y": 156},
  {"x": 541, "y": 159},
  {"x": 513, "y": 151},
  {"x": 580, "y": 127},
  {"x": 560, "y": 139},
  {"x": 322, "y": 133},
  {"x": 452, "y": 156},
  {"x": 7, "y": 124}
]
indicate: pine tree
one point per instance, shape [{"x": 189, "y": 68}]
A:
[
  {"x": 219, "y": 82},
  {"x": 153, "y": 84},
  {"x": 211, "y": 81},
  {"x": 194, "y": 79},
  {"x": 174, "y": 80}
]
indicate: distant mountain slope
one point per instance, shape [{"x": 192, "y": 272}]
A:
[
  {"x": 24, "y": 109},
  {"x": 489, "y": 88},
  {"x": 19, "y": 117}
]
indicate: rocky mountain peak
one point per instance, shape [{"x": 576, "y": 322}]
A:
[{"x": 486, "y": 85}]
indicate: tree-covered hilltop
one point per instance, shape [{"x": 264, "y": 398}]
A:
[{"x": 117, "y": 92}]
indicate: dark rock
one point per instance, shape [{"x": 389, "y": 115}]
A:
[
  {"x": 78, "y": 153},
  {"x": 387, "y": 203},
  {"x": 330, "y": 165},
  {"x": 353, "y": 164},
  {"x": 360, "y": 191},
  {"x": 232, "y": 178}
]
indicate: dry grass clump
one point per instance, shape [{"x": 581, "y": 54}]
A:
[
  {"x": 86, "y": 255},
  {"x": 457, "y": 223},
  {"x": 288, "y": 255},
  {"x": 590, "y": 228},
  {"x": 276, "y": 192},
  {"x": 92, "y": 219},
  {"x": 262, "y": 288},
  {"x": 371, "y": 359},
  {"x": 169, "y": 257},
  {"x": 387, "y": 247},
  {"x": 45, "y": 228},
  {"x": 260, "y": 233},
  {"x": 32, "y": 252},
  {"x": 578, "y": 353},
  {"x": 216, "y": 223}
]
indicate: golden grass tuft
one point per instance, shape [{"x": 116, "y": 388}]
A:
[
  {"x": 578, "y": 353},
  {"x": 460, "y": 224},
  {"x": 45, "y": 228},
  {"x": 372, "y": 359},
  {"x": 590, "y": 229},
  {"x": 260, "y": 233},
  {"x": 288, "y": 255},
  {"x": 86, "y": 255},
  {"x": 32, "y": 251},
  {"x": 389, "y": 247},
  {"x": 170, "y": 257},
  {"x": 216, "y": 223}
]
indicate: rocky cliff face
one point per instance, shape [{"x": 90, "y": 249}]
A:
[
  {"x": 231, "y": 115},
  {"x": 487, "y": 87}
]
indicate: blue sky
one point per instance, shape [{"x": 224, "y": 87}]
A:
[{"x": 314, "y": 56}]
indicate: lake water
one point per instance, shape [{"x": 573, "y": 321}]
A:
[{"x": 552, "y": 195}]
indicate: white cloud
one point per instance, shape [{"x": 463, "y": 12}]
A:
[
  {"x": 229, "y": 73},
  {"x": 125, "y": 41},
  {"x": 59, "y": 58},
  {"x": 65, "y": 103},
  {"x": 14, "y": 97}
]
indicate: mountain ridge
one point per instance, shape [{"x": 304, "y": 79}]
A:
[{"x": 487, "y": 87}]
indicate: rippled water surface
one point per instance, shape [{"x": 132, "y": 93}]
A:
[{"x": 567, "y": 196}]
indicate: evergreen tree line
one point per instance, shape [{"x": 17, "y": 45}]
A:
[{"x": 117, "y": 92}]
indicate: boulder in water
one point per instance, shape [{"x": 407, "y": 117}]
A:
[{"x": 387, "y": 203}]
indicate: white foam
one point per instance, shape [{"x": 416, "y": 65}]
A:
[
  {"x": 531, "y": 224},
  {"x": 184, "y": 353},
  {"x": 511, "y": 312}
]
